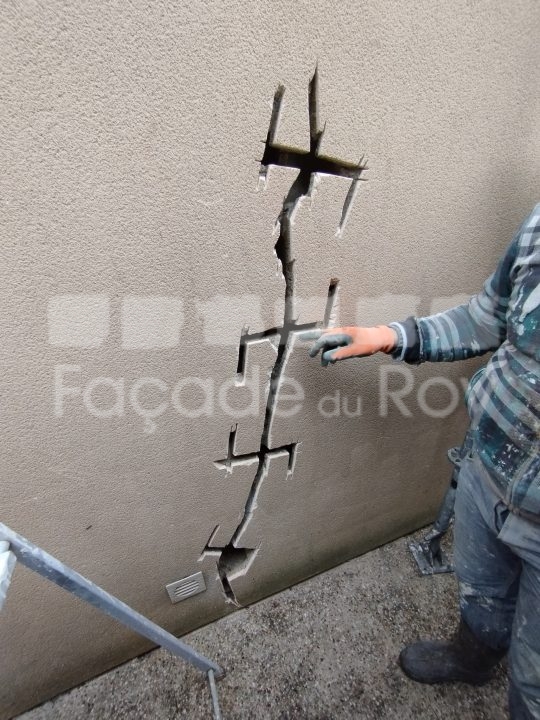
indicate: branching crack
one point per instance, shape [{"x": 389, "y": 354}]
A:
[
  {"x": 232, "y": 460},
  {"x": 310, "y": 163},
  {"x": 233, "y": 561},
  {"x": 260, "y": 475},
  {"x": 273, "y": 335}
]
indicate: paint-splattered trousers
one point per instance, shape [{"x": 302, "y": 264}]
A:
[{"x": 497, "y": 558}]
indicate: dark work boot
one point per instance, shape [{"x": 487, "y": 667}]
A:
[{"x": 463, "y": 659}]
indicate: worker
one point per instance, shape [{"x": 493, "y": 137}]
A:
[{"x": 497, "y": 512}]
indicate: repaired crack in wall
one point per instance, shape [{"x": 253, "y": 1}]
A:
[
  {"x": 140, "y": 140},
  {"x": 234, "y": 561}
]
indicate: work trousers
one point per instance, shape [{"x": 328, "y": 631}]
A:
[{"x": 497, "y": 559}]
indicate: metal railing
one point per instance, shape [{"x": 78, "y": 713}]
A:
[{"x": 15, "y": 548}]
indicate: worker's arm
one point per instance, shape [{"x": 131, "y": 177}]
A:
[
  {"x": 467, "y": 330},
  {"x": 462, "y": 332}
]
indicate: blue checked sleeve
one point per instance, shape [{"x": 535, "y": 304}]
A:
[{"x": 464, "y": 331}]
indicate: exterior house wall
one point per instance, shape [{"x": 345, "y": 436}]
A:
[{"x": 138, "y": 247}]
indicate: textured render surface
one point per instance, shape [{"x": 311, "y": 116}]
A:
[
  {"x": 136, "y": 246},
  {"x": 325, "y": 649}
]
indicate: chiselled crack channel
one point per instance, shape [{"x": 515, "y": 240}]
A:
[{"x": 233, "y": 561}]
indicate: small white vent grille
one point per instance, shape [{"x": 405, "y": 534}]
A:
[{"x": 186, "y": 588}]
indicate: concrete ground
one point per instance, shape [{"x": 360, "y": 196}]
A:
[{"x": 324, "y": 649}]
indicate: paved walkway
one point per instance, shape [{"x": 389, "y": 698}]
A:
[{"x": 325, "y": 649}]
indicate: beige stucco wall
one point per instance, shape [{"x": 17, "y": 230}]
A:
[{"x": 130, "y": 134}]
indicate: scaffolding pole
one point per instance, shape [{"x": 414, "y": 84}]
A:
[{"x": 14, "y": 548}]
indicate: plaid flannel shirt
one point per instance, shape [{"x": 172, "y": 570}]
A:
[{"x": 503, "y": 398}]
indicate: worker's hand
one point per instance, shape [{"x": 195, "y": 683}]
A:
[{"x": 347, "y": 342}]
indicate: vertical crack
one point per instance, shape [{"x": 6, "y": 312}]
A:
[
  {"x": 283, "y": 250},
  {"x": 275, "y": 382},
  {"x": 232, "y": 561},
  {"x": 247, "y": 339},
  {"x": 272, "y": 132},
  {"x": 242, "y": 355},
  {"x": 349, "y": 199},
  {"x": 331, "y": 303},
  {"x": 315, "y": 135},
  {"x": 260, "y": 476}
]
